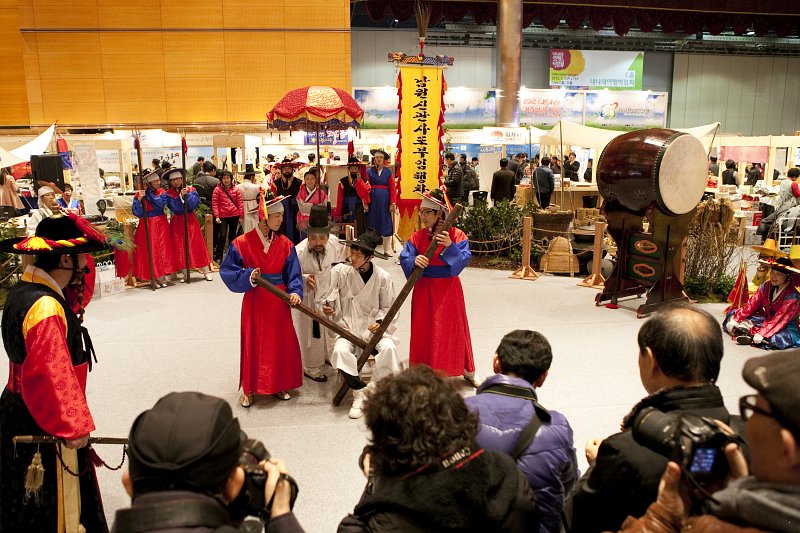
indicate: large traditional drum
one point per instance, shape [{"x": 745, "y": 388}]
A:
[{"x": 660, "y": 167}]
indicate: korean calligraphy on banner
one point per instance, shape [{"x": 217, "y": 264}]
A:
[{"x": 421, "y": 91}]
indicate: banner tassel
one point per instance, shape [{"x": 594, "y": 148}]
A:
[{"x": 34, "y": 479}]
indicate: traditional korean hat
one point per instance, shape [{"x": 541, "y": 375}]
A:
[
  {"x": 318, "y": 221},
  {"x": 380, "y": 151},
  {"x": 782, "y": 264},
  {"x": 367, "y": 242},
  {"x": 171, "y": 173},
  {"x": 58, "y": 235},
  {"x": 249, "y": 170},
  {"x": 433, "y": 200},
  {"x": 270, "y": 204},
  {"x": 289, "y": 163},
  {"x": 152, "y": 176},
  {"x": 770, "y": 248},
  {"x": 353, "y": 160}
]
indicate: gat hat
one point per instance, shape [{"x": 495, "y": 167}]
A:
[
  {"x": 152, "y": 176},
  {"x": 249, "y": 170},
  {"x": 380, "y": 151},
  {"x": 58, "y": 235},
  {"x": 172, "y": 173},
  {"x": 431, "y": 200},
  {"x": 777, "y": 378},
  {"x": 769, "y": 248},
  {"x": 289, "y": 163},
  {"x": 782, "y": 264},
  {"x": 354, "y": 160},
  {"x": 367, "y": 242},
  {"x": 186, "y": 439},
  {"x": 270, "y": 204},
  {"x": 318, "y": 220}
]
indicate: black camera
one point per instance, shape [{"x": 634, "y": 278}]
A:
[
  {"x": 696, "y": 443},
  {"x": 250, "y": 501}
]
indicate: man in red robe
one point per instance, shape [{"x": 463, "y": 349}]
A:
[
  {"x": 270, "y": 353},
  {"x": 50, "y": 354},
  {"x": 180, "y": 200},
  {"x": 439, "y": 331}
]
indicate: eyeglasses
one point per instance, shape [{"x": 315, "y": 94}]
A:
[
  {"x": 748, "y": 406},
  {"x": 424, "y": 212}
]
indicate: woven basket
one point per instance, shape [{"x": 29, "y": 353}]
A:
[
  {"x": 559, "y": 258},
  {"x": 551, "y": 224}
]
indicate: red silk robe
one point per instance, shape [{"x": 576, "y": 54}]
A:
[{"x": 270, "y": 354}]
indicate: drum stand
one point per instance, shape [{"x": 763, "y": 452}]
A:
[{"x": 647, "y": 263}]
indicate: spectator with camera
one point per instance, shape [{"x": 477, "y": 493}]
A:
[
  {"x": 680, "y": 351},
  {"x": 769, "y": 498},
  {"x": 424, "y": 471},
  {"x": 192, "y": 468},
  {"x": 511, "y": 420}
]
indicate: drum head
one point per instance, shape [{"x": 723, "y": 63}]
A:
[{"x": 682, "y": 174}]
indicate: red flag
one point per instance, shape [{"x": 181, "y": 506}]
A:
[
  {"x": 739, "y": 293},
  {"x": 184, "y": 146}
]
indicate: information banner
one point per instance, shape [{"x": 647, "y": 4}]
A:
[
  {"x": 506, "y": 135},
  {"x": 626, "y": 111},
  {"x": 86, "y": 165},
  {"x": 596, "y": 69},
  {"x": 421, "y": 90},
  {"x": 464, "y": 108},
  {"x": 543, "y": 108}
]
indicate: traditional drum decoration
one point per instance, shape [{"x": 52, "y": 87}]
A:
[{"x": 658, "y": 175}]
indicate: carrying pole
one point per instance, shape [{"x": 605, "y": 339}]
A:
[{"x": 184, "y": 176}]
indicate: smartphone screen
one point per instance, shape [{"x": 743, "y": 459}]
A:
[{"x": 703, "y": 460}]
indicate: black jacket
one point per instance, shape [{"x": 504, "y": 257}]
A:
[
  {"x": 486, "y": 493},
  {"x": 571, "y": 170},
  {"x": 624, "y": 479},
  {"x": 189, "y": 512},
  {"x": 205, "y": 184},
  {"x": 454, "y": 183},
  {"x": 502, "y": 185}
]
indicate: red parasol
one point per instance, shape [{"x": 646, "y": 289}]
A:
[{"x": 316, "y": 108}]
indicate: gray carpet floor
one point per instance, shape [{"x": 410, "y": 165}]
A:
[{"x": 186, "y": 337}]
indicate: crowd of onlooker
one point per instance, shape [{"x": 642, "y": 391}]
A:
[{"x": 502, "y": 461}]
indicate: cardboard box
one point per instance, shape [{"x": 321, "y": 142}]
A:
[{"x": 750, "y": 237}]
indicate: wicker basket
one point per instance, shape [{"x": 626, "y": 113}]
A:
[
  {"x": 559, "y": 258},
  {"x": 551, "y": 224}
]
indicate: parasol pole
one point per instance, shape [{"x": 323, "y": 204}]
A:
[
  {"x": 319, "y": 163},
  {"x": 138, "y": 144},
  {"x": 184, "y": 174}
]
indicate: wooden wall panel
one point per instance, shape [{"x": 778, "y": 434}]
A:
[
  {"x": 255, "y": 43},
  {"x": 33, "y": 88},
  {"x": 13, "y": 114},
  {"x": 14, "y": 87},
  {"x": 65, "y": 15},
  {"x": 74, "y": 113},
  {"x": 36, "y": 113},
  {"x": 208, "y": 111},
  {"x": 26, "y": 18},
  {"x": 132, "y": 65},
  {"x": 124, "y": 15},
  {"x": 76, "y": 90},
  {"x": 317, "y": 43},
  {"x": 134, "y": 90},
  {"x": 136, "y": 112},
  {"x": 67, "y": 66},
  {"x": 74, "y": 43},
  {"x": 31, "y": 65},
  {"x": 194, "y": 14},
  {"x": 194, "y": 65},
  {"x": 256, "y": 66},
  {"x": 254, "y": 17},
  {"x": 252, "y": 110},
  {"x": 193, "y": 43},
  {"x": 254, "y": 89},
  {"x": 194, "y": 90},
  {"x": 133, "y": 42}
]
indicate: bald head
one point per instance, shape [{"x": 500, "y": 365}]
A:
[{"x": 686, "y": 343}]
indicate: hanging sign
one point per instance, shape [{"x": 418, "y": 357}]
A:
[
  {"x": 421, "y": 90},
  {"x": 596, "y": 69}
]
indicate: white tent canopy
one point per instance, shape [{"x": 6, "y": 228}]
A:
[
  {"x": 570, "y": 133},
  {"x": 22, "y": 154}
]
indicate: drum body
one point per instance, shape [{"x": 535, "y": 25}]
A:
[{"x": 654, "y": 167}]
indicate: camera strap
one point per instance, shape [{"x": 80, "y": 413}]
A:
[{"x": 540, "y": 414}]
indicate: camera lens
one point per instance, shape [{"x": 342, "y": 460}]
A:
[{"x": 655, "y": 429}]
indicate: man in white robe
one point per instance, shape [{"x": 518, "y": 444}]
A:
[
  {"x": 250, "y": 192},
  {"x": 365, "y": 293},
  {"x": 317, "y": 255}
]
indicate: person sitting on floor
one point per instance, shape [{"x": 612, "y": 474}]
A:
[
  {"x": 769, "y": 318},
  {"x": 512, "y": 421}
]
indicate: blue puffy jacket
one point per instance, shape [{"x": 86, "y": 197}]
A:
[{"x": 549, "y": 463}]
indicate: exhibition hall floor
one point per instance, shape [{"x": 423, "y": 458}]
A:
[{"x": 186, "y": 337}]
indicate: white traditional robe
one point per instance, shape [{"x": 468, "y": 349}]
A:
[
  {"x": 316, "y": 351},
  {"x": 358, "y": 305},
  {"x": 250, "y": 192}
]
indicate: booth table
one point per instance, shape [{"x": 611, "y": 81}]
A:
[{"x": 574, "y": 194}]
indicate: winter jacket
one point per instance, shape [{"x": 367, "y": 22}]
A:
[
  {"x": 484, "y": 492},
  {"x": 205, "y": 185},
  {"x": 454, "y": 183},
  {"x": 544, "y": 180},
  {"x": 549, "y": 463},
  {"x": 227, "y": 205},
  {"x": 188, "y": 512},
  {"x": 624, "y": 478}
]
